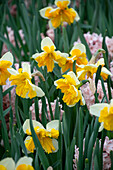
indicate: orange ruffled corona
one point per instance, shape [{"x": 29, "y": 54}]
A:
[
  {"x": 60, "y": 14},
  {"x": 69, "y": 86},
  {"x": 47, "y": 137},
  {"x": 78, "y": 53},
  {"x": 49, "y": 56},
  {"x": 22, "y": 80},
  {"x": 86, "y": 71}
]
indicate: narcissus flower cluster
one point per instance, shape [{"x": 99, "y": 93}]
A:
[
  {"x": 78, "y": 54},
  {"x": 49, "y": 56},
  {"x": 60, "y": 14},
  {"x": 86, "y": 71},
  {"x": 69, "y": 86},
  {"x": 22, "y": 80},
  {"x": 47, "y": 137}
]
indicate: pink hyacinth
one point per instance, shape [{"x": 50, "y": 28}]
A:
[
  {"x": 89, "y": 95},
  {"x": 111, "y": 69},
  {"x": 53, "y": 104},
  {"x": 107, "y": 147},
  {"x": 12, "y": 39},
  {"x": 50, "y": 34},
  {"x": 109, "y": 43}
]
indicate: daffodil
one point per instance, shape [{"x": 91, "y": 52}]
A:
[
  {"x": 105, "y": 113},
  {"x": 69, "y": 86},
  {"x": 60, "y": 14},
  {"x": 78, "y": 53},
  {"x": 47, "y": 137},
  {"x": 24, "y": 163},
  {"x": 5, "y": 62},
  {"x": 22, "y": 80},
  {"x": 86, "y": 71},
  {"x": 49, "y": 56}
]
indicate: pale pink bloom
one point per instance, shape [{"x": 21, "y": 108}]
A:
[
  {"x": 109, "y": 43},
  {"x": 100, "y": 91},
  {"x": 89, "y": 95},
  {"x": 107, "y": 147},
  {"x": 12, "y": 39},
  {"x": 53, "y": 104},
  {"x": 76, "y": 157},
  {"x": 50, "y": 34},
  {"x": 42, "y": 36},
  {"x": 111, "y": 69}
]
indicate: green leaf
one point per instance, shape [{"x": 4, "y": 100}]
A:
[
  {"x": 21, "y": 142},
  {"x": 7, "y": 91},
  {"x": 65, "y": 40},
  {"x": 42, "y": 156},
  {"x": 6, "y": 111}
]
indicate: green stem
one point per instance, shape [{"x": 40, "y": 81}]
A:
[{"x": 3, "y": 123}]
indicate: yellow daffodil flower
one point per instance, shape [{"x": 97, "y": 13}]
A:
[
  {"x": 60, "y": 14},
  {"x": 49, "y": 56},
  {"x": 86, "y": 71},
  {"x": 22, "y": 80},
  {"x": 45, "y": 136},
  {"x": 78, "y": 53},
  {"x": 5, "y": 62},
  {"x": 105, "y": 113},
  {"x": 69, "y": 86},
  {"x": 23, "y": 163}
]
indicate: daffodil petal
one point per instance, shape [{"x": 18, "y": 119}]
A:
[
  {"x": 96, "y": 108},
  {"x": 106, "y": 71},
  {"x": 37, "y": 55},
  {"x": 56, "y": 1},
  {"x": 8, "y": 163},
  {"x": 101, "y": 127},
  {"x": 8, "y": 57},
  {"x": 77, "y": 18},
  {"x": 12, "y": 71},
  {"x": 111, "y": 103},
  {"x": 100, "y": 62},
  {"x": 72, "y": 74},
  {"x": 47, "y": 42},
  {"x": 26, "y": 68},
  {"x": 53, "y": 124},
  {"x": 55, "y": 144},
  {"x": 24, "y": 160},
  {"x": 55, "y": 82},
  {"x": 42, "y": 12},
  {"x": 62, "y": 54},
  {"x": 79, "y": 46},
  {"x": 37, "y": 89},
  {"x": 26, "y": 125},
  {"x": 50, "y": 25}
]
